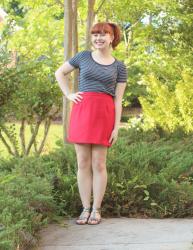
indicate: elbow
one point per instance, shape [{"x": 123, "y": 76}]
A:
[{"x": 58, "y": 74}]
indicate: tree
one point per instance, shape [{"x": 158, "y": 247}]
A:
[
  {"x": 67, "y": 55},
  {"x": 90, "y": 19},
  {"x": 28, "y": 97}
]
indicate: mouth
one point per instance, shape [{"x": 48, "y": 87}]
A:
[{"x": 99, "y": 43}]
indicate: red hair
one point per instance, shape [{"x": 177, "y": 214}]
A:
[{"x": 110, "y": 28}]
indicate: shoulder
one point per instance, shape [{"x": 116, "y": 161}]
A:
[
  {"x": 78, "y": 58},
  {"x": 82, "y": 53},
  {"x": 122, "y": 72},
  {"x": 121, "y": 65}
]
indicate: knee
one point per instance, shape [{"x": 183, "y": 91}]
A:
[
  {"x": 84, "y": 163},
  {"x": 99, "y": 166}
]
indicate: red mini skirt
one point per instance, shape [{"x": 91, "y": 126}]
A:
[{"x": 92, "y": 119}]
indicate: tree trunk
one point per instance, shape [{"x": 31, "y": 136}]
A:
[
  {"x": 67, "y": 55},
  {"x": 74, "y": 41},
  {"x": 90, "y": 19}
]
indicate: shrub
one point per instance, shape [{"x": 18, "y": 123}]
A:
[
  {"x": 26, "y": 203},
  {"x": 149, "y": 175},
  {"x": 171, "y": 109}
]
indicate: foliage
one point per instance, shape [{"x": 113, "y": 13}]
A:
[
  {"x": 156, "y": 40},
  {"x": 26, "y": 204},
  {"x": 27, "y": 94},
  {"x": 149, "y": 175},
  {"x": 150, "y": 166},
  {"x": 168, "y": 108}
]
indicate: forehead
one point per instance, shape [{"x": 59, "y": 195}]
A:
[
  {"x": 101, "y": 28},
  {"x": 102, "y": 33}
]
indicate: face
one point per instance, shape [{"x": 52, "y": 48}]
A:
[{"x": 101, "y": 40}]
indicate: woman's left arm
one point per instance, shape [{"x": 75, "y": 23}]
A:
[{"x": 120, "y": 89}]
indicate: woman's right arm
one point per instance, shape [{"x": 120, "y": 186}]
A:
[{"x": 61, "y": 75}]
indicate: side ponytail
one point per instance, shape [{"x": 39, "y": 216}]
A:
[{"x": 117, "y": 35}]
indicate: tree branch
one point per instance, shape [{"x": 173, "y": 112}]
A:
[
  {"x": 46, "y": 129},
  {"x": 35, "y": 143},
  {"x": 100, "y": 6},
  {"x": 33, "y": 136},
  {"x": 4, "y": 129},
  {"x": 22, "y": 136},
  {"x": 6, "y": 144}
]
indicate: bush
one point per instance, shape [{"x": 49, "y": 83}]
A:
[
  {"x": 149, "y": 175},
  {"x": 26, "y": 203},
  {"x": 170, "y": 108},
  {"x": 29, "y": 96}
]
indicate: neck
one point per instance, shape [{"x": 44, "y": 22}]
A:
[{"x": 103, "y": 52}]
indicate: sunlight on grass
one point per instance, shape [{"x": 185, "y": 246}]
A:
[{"x": 55, "y": 133}]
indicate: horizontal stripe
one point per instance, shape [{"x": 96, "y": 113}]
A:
[{"x": 98, "y": 77}]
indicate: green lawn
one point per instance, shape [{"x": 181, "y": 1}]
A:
[{"x": 55, "y": 133}]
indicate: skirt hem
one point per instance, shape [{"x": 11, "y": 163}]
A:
[{"x": 89, "y": 142}]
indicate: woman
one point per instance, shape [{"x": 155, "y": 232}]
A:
[{"x": 96, "y": 113}]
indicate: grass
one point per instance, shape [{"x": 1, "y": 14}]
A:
[{"x": 55, "y": 133}]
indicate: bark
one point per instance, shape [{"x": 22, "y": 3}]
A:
[
  {"x": 90, "y": 19},
  {"x": 46, "y": 129},
  {"x": 6, "y": 144},
  {"x": 74, "y": 41},
  {"x": 34, "y": 143},
  {"x": 67, "y": 55},
  {"x": 33, "y": 137},
  {"x": 22, "y": 136},
  {"x": 11, "y": 140}
]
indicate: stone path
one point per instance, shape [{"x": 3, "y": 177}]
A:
[{"x": 120, "y": 234}]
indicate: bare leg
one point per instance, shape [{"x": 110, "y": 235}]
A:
[
  {"x": 84, "y": 174},
  {"x": 99, "y": 154}
]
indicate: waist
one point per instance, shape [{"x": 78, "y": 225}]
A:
[{"x": 92, "y": 93}]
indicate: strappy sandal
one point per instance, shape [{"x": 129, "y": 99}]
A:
[
  {"x": 93, "y": 216},
  {"x": 82, "y": 220}
]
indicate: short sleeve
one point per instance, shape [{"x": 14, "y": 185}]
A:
[
  {"x": 76, "y": 60},
  {"x": 122, "y": 72}
]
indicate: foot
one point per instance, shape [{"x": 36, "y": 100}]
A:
[
  {"x": 95, "y": 217},
  {"x": 83, "y": 218}
]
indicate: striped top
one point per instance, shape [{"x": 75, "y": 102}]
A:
[{"x": 97, "y": 77}]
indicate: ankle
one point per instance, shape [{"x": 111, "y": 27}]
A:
[
  {"x": 96, "y": 208},
  {"x": 86, "y": 209}
]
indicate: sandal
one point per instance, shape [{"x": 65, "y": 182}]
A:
[
  {"x": 93, "y": 216},
  {"x": 82, "y": 220}
]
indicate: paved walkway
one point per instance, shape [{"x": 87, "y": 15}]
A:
[{"x": 120, "y": 234}]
